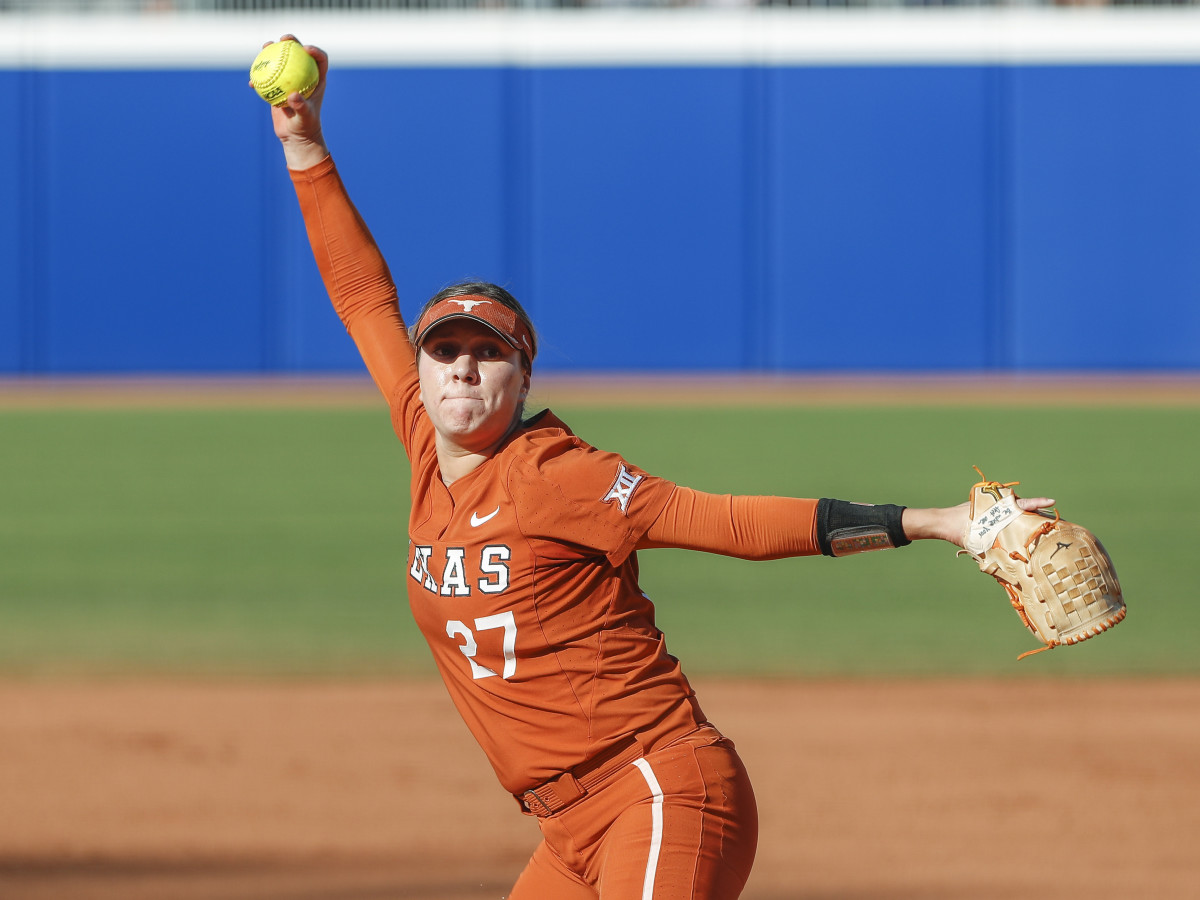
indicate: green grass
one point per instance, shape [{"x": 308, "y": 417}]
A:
[
  {"x": 272, "y": 543},
  {"x": 228, "y": 542}
]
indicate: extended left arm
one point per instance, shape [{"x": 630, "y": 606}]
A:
[{"x": 777, "y": 527}]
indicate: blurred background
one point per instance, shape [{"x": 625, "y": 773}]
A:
[
  {"x": 856, "y": 189},
  {"x": 995, "y": 203}
]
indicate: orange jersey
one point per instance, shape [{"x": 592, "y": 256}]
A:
[
  {"x": 523, "y": 579},
  {"x": 522, "y": 574}
]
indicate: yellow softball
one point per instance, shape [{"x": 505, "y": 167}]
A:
[{"x": 281, "y": 69}]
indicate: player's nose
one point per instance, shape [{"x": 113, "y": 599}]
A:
[{"x": 465, "y": 368}]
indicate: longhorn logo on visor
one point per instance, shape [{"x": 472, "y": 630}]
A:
[{"x": 468, "y": 305}]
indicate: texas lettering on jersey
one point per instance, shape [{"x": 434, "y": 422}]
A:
[{"x": 458, "y": 577}]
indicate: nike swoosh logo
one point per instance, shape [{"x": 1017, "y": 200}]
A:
[{"x": 477, "y": 520}]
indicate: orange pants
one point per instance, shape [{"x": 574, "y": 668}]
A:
[{"x": 678, "y": 824}]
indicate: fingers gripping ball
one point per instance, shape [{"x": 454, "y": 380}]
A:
[
  {"x": 1058, "y": 576},
  {"x": 281, "y": 69}
]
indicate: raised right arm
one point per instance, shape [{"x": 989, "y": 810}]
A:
[
  {"x": 356, "y": 277},
  {"x": 354, "y": 272}
]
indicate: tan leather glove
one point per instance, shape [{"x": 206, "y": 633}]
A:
[{"x": 1058, "y": 576}]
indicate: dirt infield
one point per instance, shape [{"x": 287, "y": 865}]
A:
[
  {"x": 867, "y": 791},
  {"x": 646, "y": 389}
]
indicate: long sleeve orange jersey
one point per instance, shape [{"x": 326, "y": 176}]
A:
[{"x": 523, "y": 575}]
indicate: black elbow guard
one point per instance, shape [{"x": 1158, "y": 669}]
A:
[{"x": 844, "y": 528}]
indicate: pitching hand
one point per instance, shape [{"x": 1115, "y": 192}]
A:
[{"x": 297, "y": 123}]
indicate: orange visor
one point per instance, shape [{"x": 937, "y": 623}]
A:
[{"x": 492, "y": 313}]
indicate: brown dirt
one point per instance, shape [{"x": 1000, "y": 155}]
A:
[
  {"x": 867, "y": 790},
  {"x": 648, "y": 389}
]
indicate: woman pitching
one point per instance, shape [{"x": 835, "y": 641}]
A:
[{"x": 523, "y": 576}]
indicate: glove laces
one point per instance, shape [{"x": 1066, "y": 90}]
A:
[{"x": 992, "y": 487}]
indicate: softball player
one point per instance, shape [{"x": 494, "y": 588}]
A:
[{"x": 523, "y": 576}]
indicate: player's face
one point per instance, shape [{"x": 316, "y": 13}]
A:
[{"x": 472, "y": 383}]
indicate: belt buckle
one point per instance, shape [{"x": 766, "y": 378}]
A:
[
  {"x": 563, "y": 791},
  {"x": 555, "y": 795},
  {"x": 530, "y": 798}
]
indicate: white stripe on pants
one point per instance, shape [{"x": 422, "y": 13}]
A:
[{"x": 656, "y": 827}]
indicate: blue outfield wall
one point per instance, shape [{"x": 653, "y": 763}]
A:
[{"x": 732, "y": 217}]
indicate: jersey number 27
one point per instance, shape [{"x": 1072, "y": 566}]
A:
[{"x": 505, "y": 620}]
